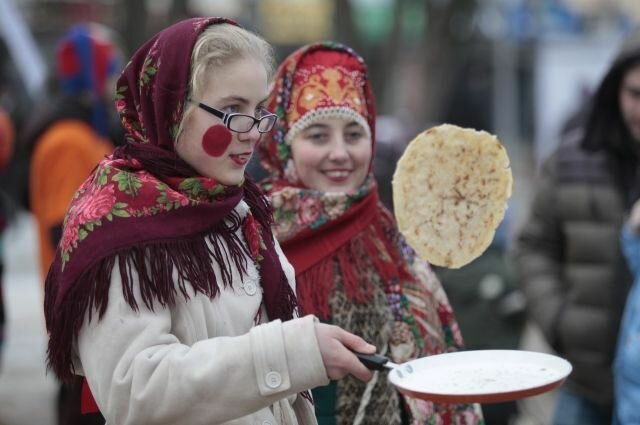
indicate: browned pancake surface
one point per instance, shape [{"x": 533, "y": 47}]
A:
[{"x": 450, "y": 192}]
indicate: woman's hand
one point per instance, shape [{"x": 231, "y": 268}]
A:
[{"x": 336, "y": 348}]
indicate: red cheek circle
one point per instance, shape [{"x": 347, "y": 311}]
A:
[{"x": 216, "y": 140}]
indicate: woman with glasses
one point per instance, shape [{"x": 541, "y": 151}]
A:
[
  {"x": 353, "y": 269},
  {"x": 169, "y": 292}
]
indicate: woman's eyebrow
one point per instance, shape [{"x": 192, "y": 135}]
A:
[
  {"x": 243, "y": 100},
  {"x": 317, "y": 126},
  {"x": 239, "y": 99}
]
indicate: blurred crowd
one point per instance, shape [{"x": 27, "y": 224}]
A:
[{"x": 564, "y": 262}]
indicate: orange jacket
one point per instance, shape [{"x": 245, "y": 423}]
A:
[{"x": 63, "y": 158}]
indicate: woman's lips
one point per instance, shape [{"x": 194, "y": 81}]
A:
[
  {"x": 240, "y": 158},
  {"x": 337, "y": 176}
]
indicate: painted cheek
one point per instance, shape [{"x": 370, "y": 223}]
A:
[{"x": 216, "y": 140}]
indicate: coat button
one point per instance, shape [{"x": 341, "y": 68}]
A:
[
  {"x": 250, "y": 288},
  {"x": 273, "y": 379},
  {"x": 266, "y": 423}
]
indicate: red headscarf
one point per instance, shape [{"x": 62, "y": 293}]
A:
[{"x": 147, "y": 209}]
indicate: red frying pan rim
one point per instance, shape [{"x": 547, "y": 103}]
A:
[
  {"x": 481, "y": 398},
  {"x": 493, "y": 397}
]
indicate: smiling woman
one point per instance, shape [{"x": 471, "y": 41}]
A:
[{"x": 353, "y": 268}]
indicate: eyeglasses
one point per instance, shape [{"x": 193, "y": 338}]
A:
[{"x": 241, "y": 123}]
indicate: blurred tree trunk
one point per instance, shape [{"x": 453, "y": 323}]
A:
[
  {"x": 391, "y": 53},
  {"x": 179, "y": 11},
  {"x": 345, "y": 28},
  {"x": 448, "y": 24},
  {"x": 381, "y": 60},
  {"x": 430, "y": 62},
  {"x": 134, "y": 32}
]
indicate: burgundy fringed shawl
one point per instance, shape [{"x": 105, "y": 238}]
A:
[{"x": 150, "y": 213}]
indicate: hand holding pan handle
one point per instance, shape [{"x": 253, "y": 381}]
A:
[{"x": 375, "y": 361}]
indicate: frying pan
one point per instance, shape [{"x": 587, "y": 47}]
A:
[{"x": 474, "y": 376}]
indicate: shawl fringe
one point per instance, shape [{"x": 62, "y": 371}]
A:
[
  {"x": 287, "y": 307},
  {"x": 154, "y": 262},
  {"x": 370, "y": 249}
]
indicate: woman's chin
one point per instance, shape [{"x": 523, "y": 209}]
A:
[
  {"x": 230, "y": 179},
  {"x": 344, "y": 186},
  {"x": 341, "y": 188}
]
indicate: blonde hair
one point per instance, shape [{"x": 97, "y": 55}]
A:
[{"x": 217, "y": 46}]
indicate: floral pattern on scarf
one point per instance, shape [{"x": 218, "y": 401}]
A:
[
  {"x": 97, "y": 201},
  {"x": 297, "y": 209}
]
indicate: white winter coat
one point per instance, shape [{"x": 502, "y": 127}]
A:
[{"x": 201, "y": 361}]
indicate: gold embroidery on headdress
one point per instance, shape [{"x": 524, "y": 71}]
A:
[{"x": 334, "y": 86}]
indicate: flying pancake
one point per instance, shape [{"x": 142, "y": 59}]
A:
[{"x": 450, "y": 192}]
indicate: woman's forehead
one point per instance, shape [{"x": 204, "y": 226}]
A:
[{"x": 243, "y": 80}]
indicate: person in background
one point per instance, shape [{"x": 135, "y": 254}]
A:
[
  {"x": 7, "y": 139},
  {"x": 73, "y": 136},
  {"x": 168, "y": 291},
  {"x": 626, "y": 370},
  {"x": 353, "y": 268},
  {"x": 567, "y": 255},
  {"x": 66, "y": 143}
]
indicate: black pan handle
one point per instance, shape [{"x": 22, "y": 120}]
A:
[{"x": 372, "y": 361}]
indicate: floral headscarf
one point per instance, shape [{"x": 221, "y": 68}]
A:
[
  {"x": 352, "y": 266},
  {"x": 145, "y": 206}
]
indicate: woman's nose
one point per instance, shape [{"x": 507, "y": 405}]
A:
[
  {"x": 339, "y": 150},
  {"x": 252, "y": 135}
]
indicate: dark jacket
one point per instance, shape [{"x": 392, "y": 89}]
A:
[{"x": 570, "y": 264}]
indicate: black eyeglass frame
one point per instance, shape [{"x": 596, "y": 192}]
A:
[{"x": 226, "y": 118}]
